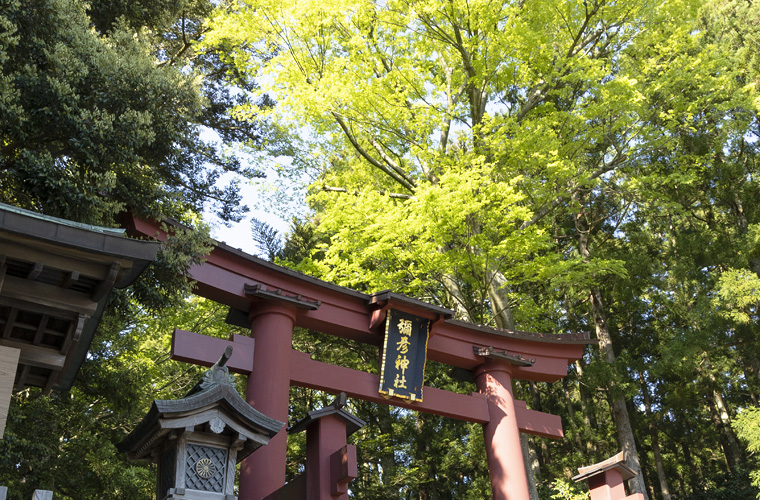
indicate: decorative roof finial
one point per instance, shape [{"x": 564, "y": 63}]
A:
[{"x": 218, "y": 374}]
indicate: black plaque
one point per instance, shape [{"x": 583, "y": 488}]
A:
[{"x": 402, "y": 370}]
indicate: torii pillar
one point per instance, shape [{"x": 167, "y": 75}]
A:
[
  {"x": 272, "y": 322},
  {"x": 506, "y": 467}
]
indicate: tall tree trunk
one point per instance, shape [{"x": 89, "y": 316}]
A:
[
  {"x": 571, "y": 413},
  {"x": 654, "y": 436},
  {"x": 587, "y": 408},
  {"x": 541, "y": 448},
  {"x": 619, "y": 410},
  {"x": 385, "y": 421},
  {"x": 427, "y": 490},
  {"x": 721, "y": 418},
  {"x": 531, "y": 464},
  {"x": 750, "y": 373},
  {"x": 497, "y": 295},
  {"x": 694, "y": 473},
  {"x": 456, "y": 299}
]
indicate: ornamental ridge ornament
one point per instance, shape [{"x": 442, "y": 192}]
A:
[{"x": 219, "y": 374}]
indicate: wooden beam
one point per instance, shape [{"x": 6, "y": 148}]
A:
[
  {"x": 48, "y": 295},
  {"x": 34, "y": 355},
  {"x": 35, "y": 271},
  {"x": 538, "y": 423},
  {"x": 40, "y": 330},
  {"x": 107, "y": 284},
  {"x": 58, "y": 257},
  {"x": 21, "y": 381},
  {"x": 9, "y": 321},
  {"x": 204, "y": 350},
  {"x": 71, "y": 278},
  {"x": 3, "y": 270},
  {"x": 74, "y": 332},
  {"x": 50, "y": 382},
  {"x": 305, "y": 372}
]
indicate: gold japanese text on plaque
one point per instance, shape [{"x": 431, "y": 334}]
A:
[{"x": 402, "y": 369}]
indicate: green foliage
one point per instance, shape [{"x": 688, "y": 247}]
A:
[
  {"x": 563, "y": 489},
  {"x": 747, "y": 427},
  {"x": 503, "y": 160},
  {"x": 91, "y": 124},
  {"x": 165, "y": 283},
  {"x": 102, "y": 110}
]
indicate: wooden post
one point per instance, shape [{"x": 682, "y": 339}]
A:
[
  {"x": 8, "y": 363},
  {"x": 506, "y": 467},
  {"x": 324, "y": 439},
  {"x": 330, "y": 462},
  {"x": 263, "y": 473}
]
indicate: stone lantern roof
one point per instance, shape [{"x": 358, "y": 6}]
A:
[{"x": 214, "y": 406}]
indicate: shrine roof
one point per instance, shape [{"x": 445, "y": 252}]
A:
[{"x": 55, "y": 279}]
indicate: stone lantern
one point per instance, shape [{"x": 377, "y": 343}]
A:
[{"x": 198, "y": 440}]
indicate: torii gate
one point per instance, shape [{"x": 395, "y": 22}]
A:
[{"x": 272, "y": 300}]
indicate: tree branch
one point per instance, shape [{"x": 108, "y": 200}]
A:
[
  {"x": 399, "y": 196},
  {"x": 404, "y": 180}
]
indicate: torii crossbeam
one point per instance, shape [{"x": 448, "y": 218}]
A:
[{"x": 272, "y": 300}]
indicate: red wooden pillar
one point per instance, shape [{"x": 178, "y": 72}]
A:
[
  {"x": 330, "y": 462},
  {"x": 607, "y": 486},
  {"x": 263, "y": 472},
  {"x": 509, "y": 480}
]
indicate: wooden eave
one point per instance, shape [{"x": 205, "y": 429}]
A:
[{"x": 55, "y": 279}]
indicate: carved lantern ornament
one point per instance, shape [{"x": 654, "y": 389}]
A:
[{"x": 198, "y": 440}]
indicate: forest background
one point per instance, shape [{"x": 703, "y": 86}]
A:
[{"x": 552, "y": 166}]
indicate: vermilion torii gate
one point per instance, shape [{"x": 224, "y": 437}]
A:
[{"x": 273, "y": 300}]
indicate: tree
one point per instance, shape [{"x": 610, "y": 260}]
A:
[
  {"x": 96, "y": 118},
  {"x": 521, "y": 163},
  {"x": 97, "y": 122}
]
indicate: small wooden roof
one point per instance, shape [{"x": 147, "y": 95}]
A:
[
  {"x": 55, "y": 278},
  {"x": 617, "y": 463},
  {"x": 353, "y": 423}
]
